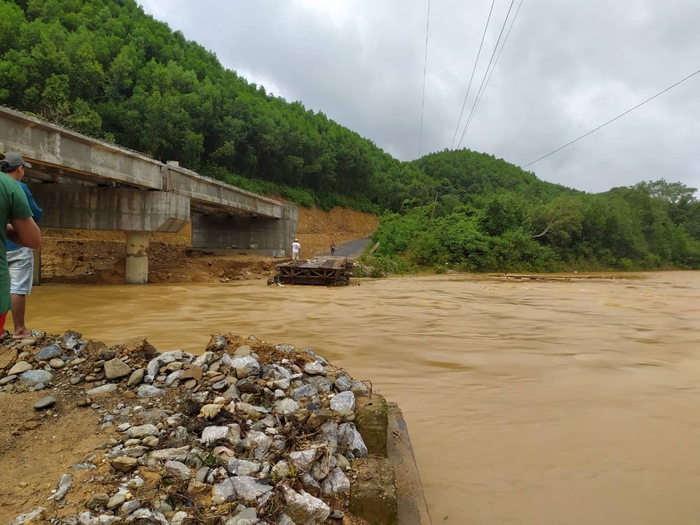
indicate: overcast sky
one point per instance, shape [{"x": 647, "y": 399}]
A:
[{"x": 568, "y": 66}]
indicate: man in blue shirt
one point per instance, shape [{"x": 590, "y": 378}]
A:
[{"x": 20, "y": 259}]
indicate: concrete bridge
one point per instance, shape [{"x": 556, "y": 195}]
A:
[{"x": 85, "y": 183}]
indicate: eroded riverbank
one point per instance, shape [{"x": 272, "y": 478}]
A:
[{"x": 527, "y": 402}]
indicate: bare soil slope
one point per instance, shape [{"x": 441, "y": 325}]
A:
[{"x": 97, "y": 257}]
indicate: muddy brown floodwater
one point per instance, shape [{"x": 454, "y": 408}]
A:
[{"x": 527, "y": 402}]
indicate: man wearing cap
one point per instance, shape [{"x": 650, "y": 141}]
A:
[
  {"x": 19, "y": 258},
  {"x": 296, "y": 248}
]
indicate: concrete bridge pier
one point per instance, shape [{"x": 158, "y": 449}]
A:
[
  {"x": 136, "y": 212},
  {"x": 137, "y": 257}
]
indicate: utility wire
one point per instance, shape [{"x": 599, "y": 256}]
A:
[
  {"x": 500, "y": 35},
  {"x": 483, "y": 37},
  {"x": 614, "y": 119},
  {"x": 505, "y": 41},
  {"x": 425, "y": 72}
]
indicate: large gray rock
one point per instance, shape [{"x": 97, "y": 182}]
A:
[
  {"x": 303, "y": 459},
  {"x": 49, "y": 352},
  {"x": 223, "y": 492},
  {"x": 330, "y": 433},
  {"x": 35, "y": 377},
  {"x": 63, "y": 485},
  {"x": 136, "y": 377},
  {"x": 286, "y": 406},
  {"x": 259, "y": 442},
  {"x": 116, "y": 501},
  {"x": 204, "y": 359},
  {"x": 314, "y": 368},
  {"x": 245, "y": 366},
  {"x": 336, "y": 482},
  {"x": 304, "y": 391},
  {"x": 351, "y": 440},
  {"x": 149, "y": 391},
  {"x": 231, "y": 434},
  {"x": 177, "y": 470},
  {"x": 173, "y": 377},
  {"x": 303, "y": 508},
  {"x": 44, "y": 403},
  {"x": 281, "y": 372},
  {"x": 142, "y": 431},
  {"x": 129, "y": 507},
  {"x": 175, "y": 454},
  {"x": 241, "y": 467},
  {"x": 29, "y": 517},
  {"x": 249, "y": 489},
  {"x": 153, "y": 367},
  {"x": 170, "y": 357},
  {"x": 343, "y": 383},
  {"x": 343, "y": 402},
  {"x": 323, "y": 385},
  {"x": 116, "y": 369},
  {"x": 104, "y": 389}
]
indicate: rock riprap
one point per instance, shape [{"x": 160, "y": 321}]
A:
[{"x": 245, "y": 433}]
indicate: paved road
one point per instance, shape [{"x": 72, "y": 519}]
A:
[{"x": 351, "y": 250}]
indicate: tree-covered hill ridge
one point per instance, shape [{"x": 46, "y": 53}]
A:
[{"x": 107, "y": 69}]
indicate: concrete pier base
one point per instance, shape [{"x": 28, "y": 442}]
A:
[
  {"x": 387, "y": 489},
  {"x": 137, "y": 257}
]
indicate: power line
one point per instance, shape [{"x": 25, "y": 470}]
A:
[
  {"x": 500, "y": 35},
  {"x": 483, "y": 37},
  {"x": 613, "y": 120},
  {"x": 425, "y": 72},
  {"x": 505, "y": 41}
]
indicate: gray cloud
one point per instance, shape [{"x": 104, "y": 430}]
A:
[{"x": 568, "y": 67}]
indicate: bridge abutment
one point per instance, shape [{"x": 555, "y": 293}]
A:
[{"x": 260, "y": 235}]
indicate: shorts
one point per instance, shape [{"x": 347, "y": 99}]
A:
[
  {"x": 295, "y": 256},
  {"x": 21, "y": 265}
]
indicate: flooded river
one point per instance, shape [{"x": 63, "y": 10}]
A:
[{"x": 527, "y": 402}]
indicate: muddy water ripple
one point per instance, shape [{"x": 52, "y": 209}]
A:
[{"x": 527, "y": 402}]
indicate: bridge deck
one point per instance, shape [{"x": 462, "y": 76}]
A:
[{"x": 58, "y": 153}]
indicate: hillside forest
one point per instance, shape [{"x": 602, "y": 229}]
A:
[{"x": 107, "y": 69}]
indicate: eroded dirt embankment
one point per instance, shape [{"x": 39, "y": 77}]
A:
[{"x": 81, "y": 256}]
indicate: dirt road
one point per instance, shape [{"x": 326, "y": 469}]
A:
[{"x": 351, "y": 250}]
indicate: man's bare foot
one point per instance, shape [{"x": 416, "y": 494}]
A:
[{"x": 23, "y": 334}]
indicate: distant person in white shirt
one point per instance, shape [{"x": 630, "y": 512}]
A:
[{"x": 296, "y": 248}]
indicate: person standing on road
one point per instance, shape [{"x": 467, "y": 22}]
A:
[
  {"x": 296, "y": 250},
  {"x": 21, "y": 229},
  {"x": 332, "y": 247},
  {"x": 20, "y": 260}
]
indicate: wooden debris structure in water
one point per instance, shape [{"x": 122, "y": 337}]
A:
[{"x": 323, "y": 272}]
